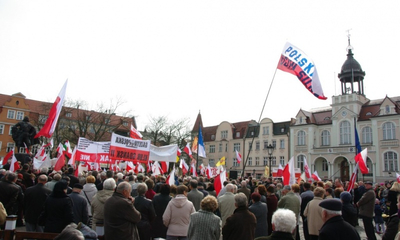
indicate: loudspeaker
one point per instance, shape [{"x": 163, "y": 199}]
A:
[{"x": 233, "y": 174}]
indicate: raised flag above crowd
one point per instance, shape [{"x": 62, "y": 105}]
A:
[{"x": 295, "y": 61}]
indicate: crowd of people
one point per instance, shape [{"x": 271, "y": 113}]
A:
[{"x": 145, "y": 207}]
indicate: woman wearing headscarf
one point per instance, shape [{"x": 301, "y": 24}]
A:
[{"x": 57, "y": 212}]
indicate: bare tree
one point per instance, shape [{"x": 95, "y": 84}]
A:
[{"x": 163, "y": 132}]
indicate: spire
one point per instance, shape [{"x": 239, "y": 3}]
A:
[{"x": 197, "y": 123}]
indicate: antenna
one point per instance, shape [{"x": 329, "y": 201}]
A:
[{"x": 349, "y": 47}]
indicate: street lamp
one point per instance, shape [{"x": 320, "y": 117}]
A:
[{"x": 270, "y": 149}]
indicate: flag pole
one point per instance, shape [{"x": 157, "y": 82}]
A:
[
  {"x": 197, "y": 158},
  {"x": 259, "y": 119}
]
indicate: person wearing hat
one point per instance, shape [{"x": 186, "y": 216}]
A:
[
  {"x": 349, "y": 212},
  {"x": 334, "y": 225},
  {"x": 366, "y": 206},
  {"x": 79, "y": 208}
]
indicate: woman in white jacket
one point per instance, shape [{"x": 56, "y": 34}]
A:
[{"x": 88, "y": 192}]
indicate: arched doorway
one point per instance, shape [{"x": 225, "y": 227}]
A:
[{"x": 344, "y": 170}]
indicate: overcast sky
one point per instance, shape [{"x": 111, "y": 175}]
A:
[{"x": 176, "y": 58}]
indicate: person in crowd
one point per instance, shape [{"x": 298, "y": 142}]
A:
[
  {"x": 204, "y": 224},
  {"x": 334, "y": 225},
  {"x": 88, "y": 191},
  {"x": 50, "y": 185},
  {"x": 243, "y": 189},
  {"x": 339, "y": 184},
  {"x": 177, "y": 215},
  {"x": 392, "y": 198},
  {"x": 290, "y": 201},
  {"x": 146, "y": 209},
  {"x": 120, "y": 215},
  {"x": 378, "y": 219},
  {"x": 242, "y": 223},
  {"x": 99, "y": 200},
  {"x": 34, "y": 198},
  {"x": 27, "y": 179},
  {"x": 210, "y": 189},
  {"x": 80, "y": 204},
  {"x": 58, "y": 211},
  {"x": 195, "y": 196},
  {"x": 349, "y": 212},
  {"x": 392, "y": 225},
  {"x": 160, "y": 203},
  {"x": 272, "y": 204},
  {"x": 140, "y": 179},
  {"x": 3, "y": 214},
  {"x": 366, "y": 207},
  {"x": 283, "y": 225},
  {"x": 313, "y": 213},
  {"x": 201, "y": 189},
  {"x": 260, "y": 211},
  {"x": 10, "y": 193},
  {"x": 150, "y": 192},
  {"x": 72, "y": 178},
  {"x": 306, "y": 196},
  {"x": 226, "y": 203},
  {"x": 103, "y": 177},
  {"x": 70, "y": 232}
]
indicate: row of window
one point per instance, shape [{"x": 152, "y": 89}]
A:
[
  {"x": 265, "y": 162},
  {"x": 236, "y": 146},
  {"x": 388, "y": 130},
  {"x": 224, "y": 134},
  {"x": 12, "y": 114}
]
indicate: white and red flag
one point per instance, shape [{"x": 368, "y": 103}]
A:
[
  {"x": 184, "y": 167},
  {"x": 14, "y": 166},
  {"x": 41, "y": 151},
  {"x": 171, "y": 177},
  {"x": 295, "y": 61},
  {"x": 279, "y": 173},
  {"x": 353, "y": 178},
  {"x": 315, "y": 176},
  {"x": 307, "y": 170},
  {"x": 8, "y": 156},
  {"x": 135, "y": 133},
  {"x": 361, "y": 159},
  {"x": 202, "y": 169},
  {"x": 72, "y": 159},
  {"x": 187, "y": 150},
  {"x": 289, "y": 176},
  {"x": 140, "y": 168},
  {"x": 208, "y": 171},
  {"x": 178, "y": 154},
  {"x": 60, "y": 158},
  {"x": 130, "y": 167},
  {"x": 156, "y": 169},
  {"x": 398, "y": 177},
  {"x": 238, "y": 157},
  {"x": 193, "y": 170},
  {"x": 219, "y": 182},
  {"x": 67, "y": 149},
  {"x": 26, "y": 149},
  {"x": 51, "y": 122}
]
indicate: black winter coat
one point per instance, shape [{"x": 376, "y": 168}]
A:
[
  {"x": 34, "y": 200},
  {"x": 160, "y": 203},
  {"x": 57, "y": 213},
  {"x": 329, "y": 230}
]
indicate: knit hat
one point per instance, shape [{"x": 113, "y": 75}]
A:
[{"x": 345, "y": 197}]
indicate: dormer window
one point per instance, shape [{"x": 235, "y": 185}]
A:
[
  {"x": 368, "y": 114},
  {"x": 301, "y": 120},
  {"x": 387, "y": 109}
]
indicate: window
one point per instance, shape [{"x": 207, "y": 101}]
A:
[
  {"x": 88, "y": 118},
  {"x": 220, "y": 147},
  {"x": 212, "y": 148},
  {"x": 20, "y": 115},
  {"x": 211, "y": 162},
  {"x": 236, "y": 146},
  {"x": 388, "y": 131},
  {"x": 0, "y": 144},
  {"x": 265, "y": 144},
  {"x": 68, "y": 114},
  {"x": 224, "y": 134},
  {"x": 107, "y": 121},
  {"x": 387, "y": 109},
  {"x": 1, "y": 128},
  {"x": 238, "y": 134},
  {"x": 300, "y": 161},
  {"x": 282, "y": 143},
  {"x": 250, "y": 146},
  {"x": 301, "y": 138},
  {"x": 325, "y": 138},
  {"x": 282, "y": 161},
  {"x": 125, "y": 124},
  {"x": 390, "y": 159},
  {"x": 257, "y": 161},
  {"x": 250, "y": 162},
  {"x": 273, "y": 161},
  {"x": 235, "y": 162},
  {"x": 11, "y": 114},
  {"x": 10, "y": 131},
  {"x": 324, "y": 165},
  {"x": 226, "y": 147},
  {"x": 10, "y": 146},
  {"x": 345, "y": 135},
  {"x": 265, "y": 161},
  {"x": 367, "y": 135},
  {"x": 265, "y": 130},
  {"x": 274, "y": 143},
  {"x": 213, "y": 137},
  {"x": 257, "y": 145}
]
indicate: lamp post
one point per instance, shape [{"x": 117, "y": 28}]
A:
[
  {"x": 254, "y": 172},
  {"x": 270, "y": 149}
]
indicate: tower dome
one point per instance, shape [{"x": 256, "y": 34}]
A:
[{"x": 351, "y": 73}]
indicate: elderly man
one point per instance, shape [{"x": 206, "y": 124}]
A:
[
  {"x": 195, "y": 196},
  {"x": 11, "y": 194},
  {"x": 366, "y": 207},
  {"x": 334, "y": 225},
  {"x": 290, "y": 201},
  {"x": 313, "y": 213},
  {"x": 242, "y": 223},
  {"x": 80, "y": 205},
  {"x": 243, "y": 189},
  {"x": 226, "y": 203},
  {"x": 283, "y": 224},
  {"x": 120, "y": 216}
]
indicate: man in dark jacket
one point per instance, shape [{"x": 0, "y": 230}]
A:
[
  {"x": 146, "y": 209},
  {"x": 10, "y": 193},
  {"x": 366, "y": 206},
  {"x": 242, "y": 223},
  {"x": 334, "y": 225},
  {"x": 34, "y": 199},
  {"x": 260, "y": 211},
  {"x": 80, "y": 207},
  {"x": 283, "y": 224},
  {"x": 120, "y": 216}
]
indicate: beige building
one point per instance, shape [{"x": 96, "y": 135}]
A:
[
  {"x": 325, "y": 138},
  {"x": 251, "y": 140}
]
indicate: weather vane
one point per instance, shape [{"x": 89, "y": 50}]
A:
[{"x": 348, "y": 39}]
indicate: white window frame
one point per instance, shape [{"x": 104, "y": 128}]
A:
[
  {"x": 19, "y": 116},
  {"x": 389, "y": 131},
  {"x": 2, "y": 126},
  {"x": 325, "y": 138},
  {"x": 300, "y": 161},
  {"x": 224, "y": 134},
  {"x": 390, "y": 159},
  {"x": 301, "y": 138},
  {"x": 10, "y": 146},
  {"x": 236, "y": 146},
  {"x": 212, "y": 148},
  {"x": 11, "y": 114},
  {"x": 282, "y": 160},
  {"x": 257, "y": 161},
  {"x": 345, "y": 133},
  {"x": 367, "y": 134},
  {"x": 282, "y": 144},
  {"x": 250, "y": 161}
]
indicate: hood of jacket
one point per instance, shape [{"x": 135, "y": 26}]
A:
[
  {"x": 179, "y": 201},
  {"x": 103, "y": 195},
  {"x": 89, "y": 187}
]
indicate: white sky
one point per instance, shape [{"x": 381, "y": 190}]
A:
[{"x": 175, "y": 58}]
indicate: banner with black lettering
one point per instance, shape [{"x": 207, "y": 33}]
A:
[
  {"x": 92, "y": 152},
  {"x": 129, "y": 149}
]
